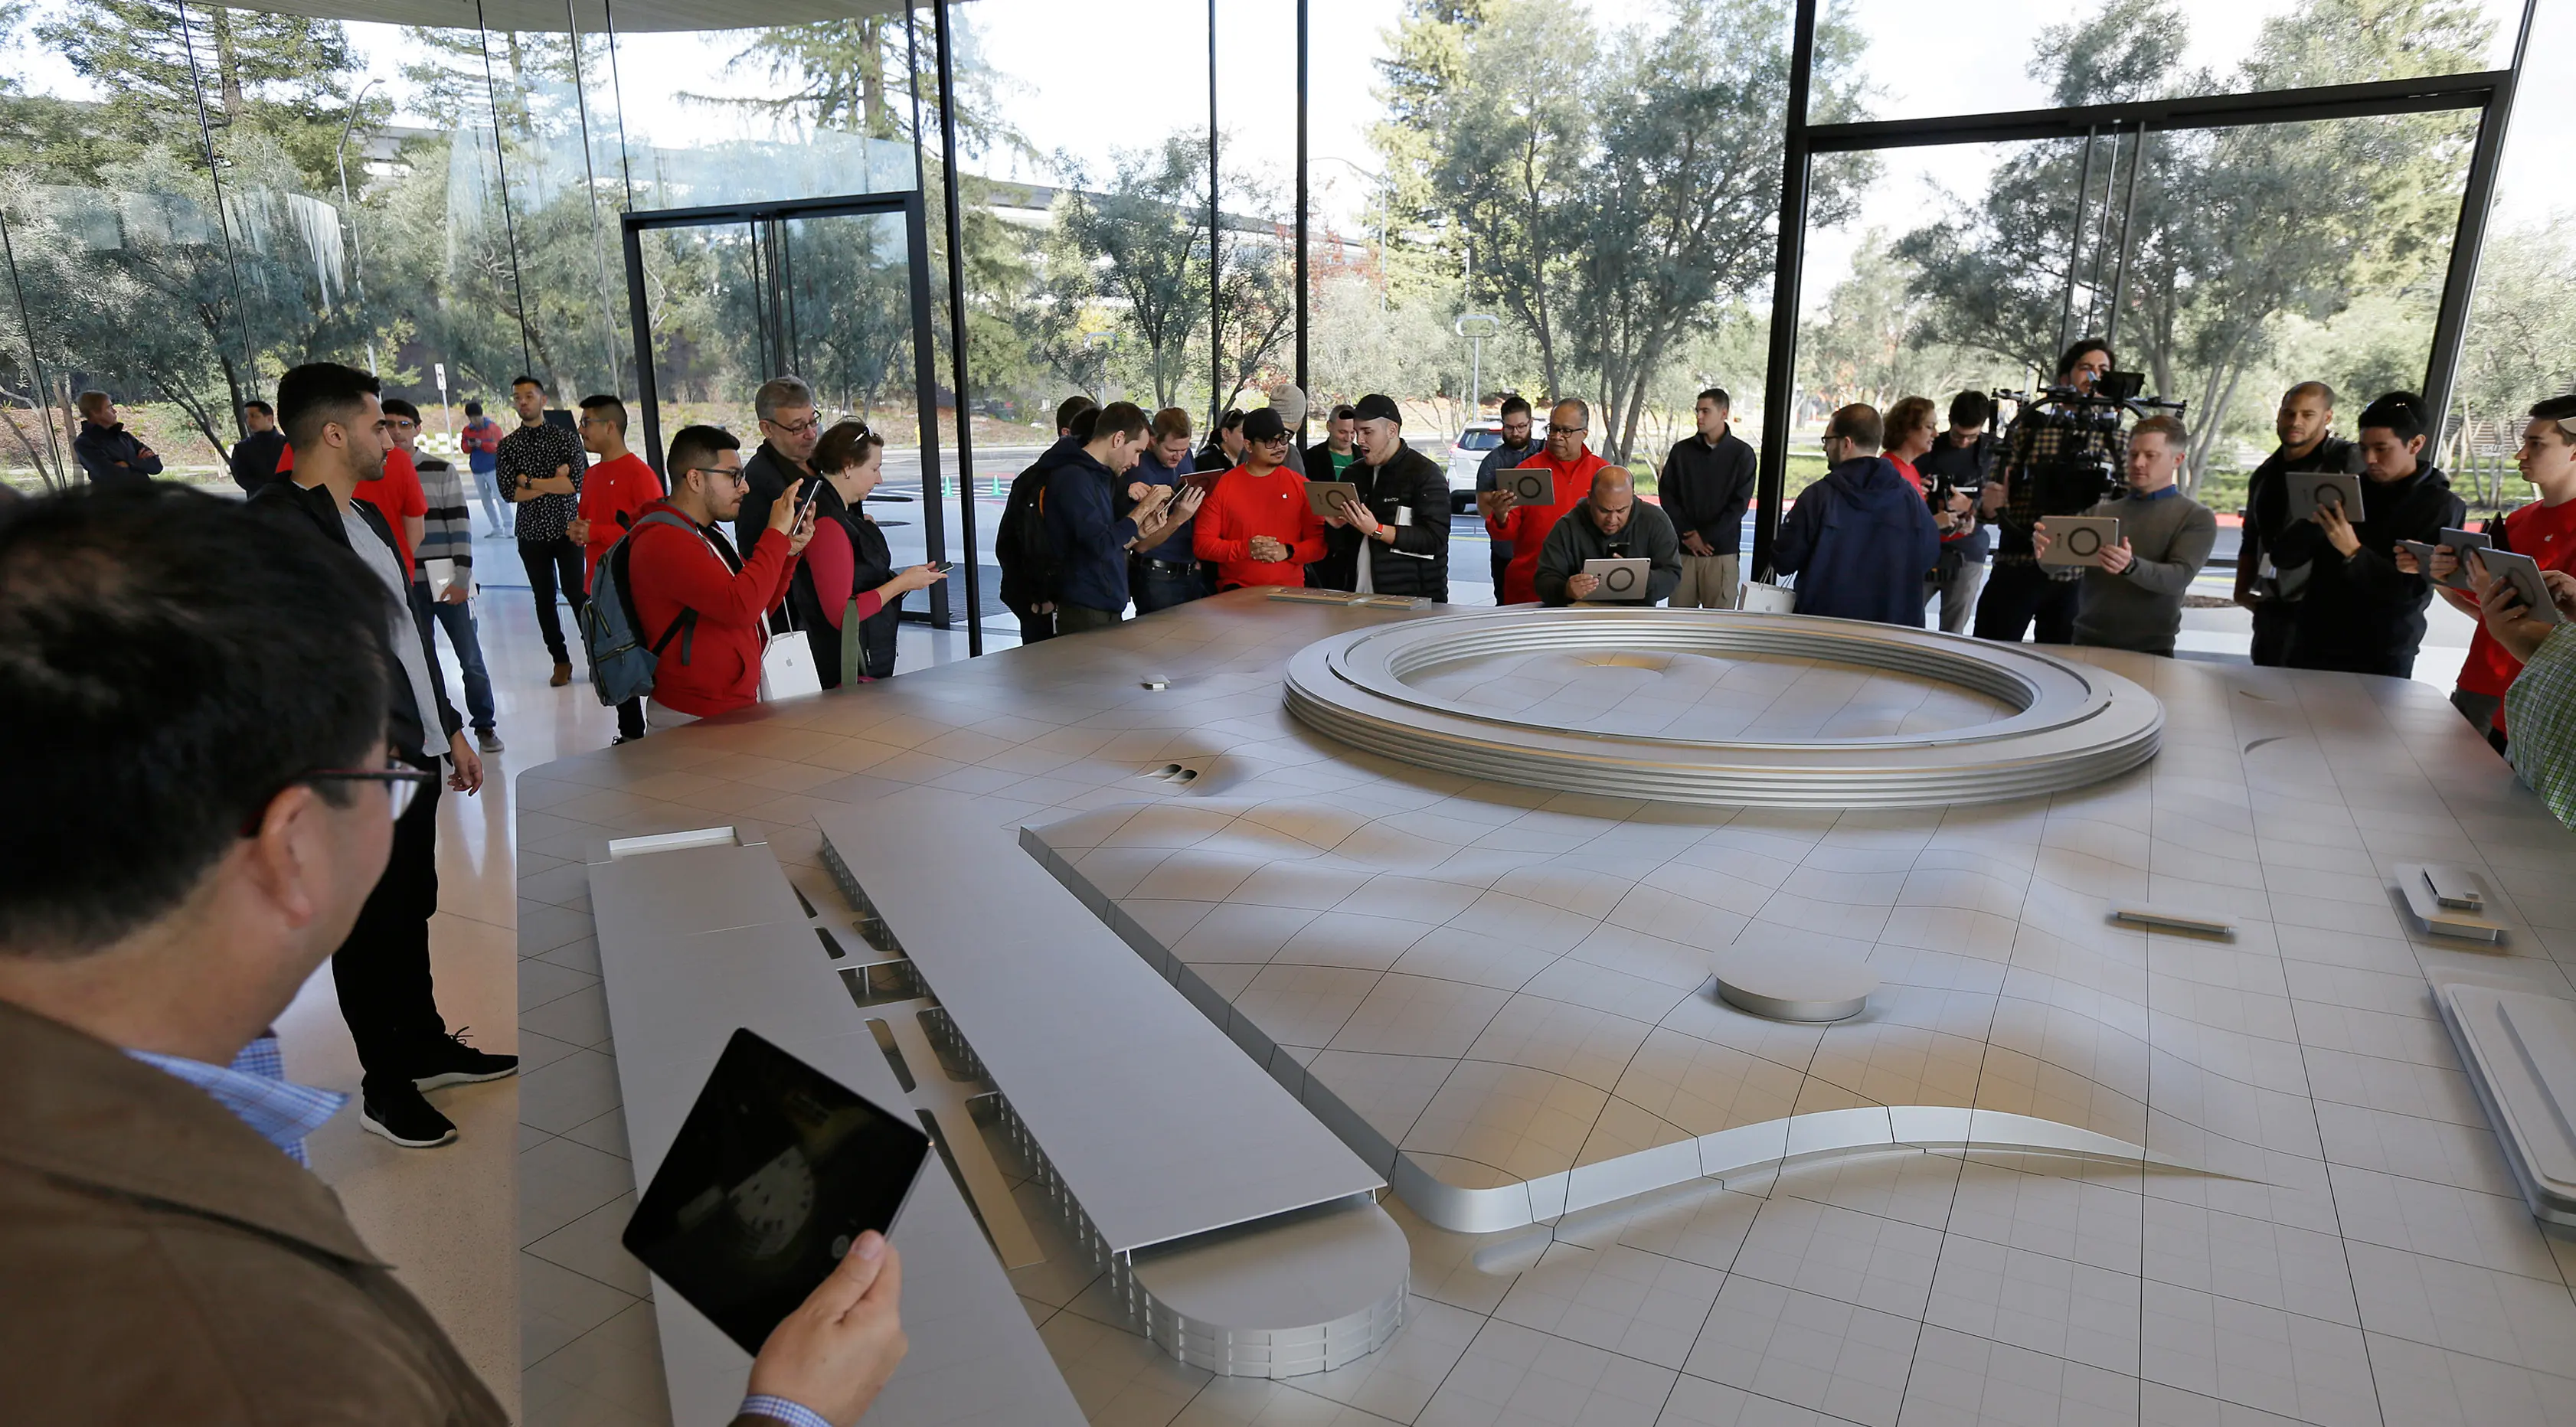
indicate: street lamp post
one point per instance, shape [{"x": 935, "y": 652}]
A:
[{"x": 1476, "y": 327}]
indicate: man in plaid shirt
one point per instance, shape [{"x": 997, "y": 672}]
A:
[
  {"x": 540, "y": 467},
  {"x": 2021, "y": 589}
]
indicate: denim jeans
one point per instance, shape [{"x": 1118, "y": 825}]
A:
[
  {"x": 458, "y": 620},
  {"x": 1154, "y": 590}
]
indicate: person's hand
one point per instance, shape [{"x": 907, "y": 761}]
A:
[
  {"x": 1043, "y": 607},
  {"x": 2339, "y": 531},
  {"x": 1945, "y": 521},
  {"x": 2117, "y": 558},
  {"x": 2405, "y": 561},
  {"x": 782, "y": 511},
  {"x": 2562, "y": 590},
  {"x": 1991, "y": 499},
  {"x": 2446, "y": 563},
  {"x": 800, "y": 533},
  {"x": 458, "y": 591},
  {"x": 468, "y": 774},
  {"x": 1269, "y": 550},
  {"x": 564, "y": 472},
  {"x": 1190, "y": 500},
  {"x": 2041, "y": 539},
  {"x": 905, "y": 581},
  {"x": 1361, "y": 517},
  {"x": 1495, "y": 504},
  {"x": 1694, "y": 544},
  {"x": 1581, "y": 586},
  {"x": 142, "y": 450},
  {"x": 1150, "y": 504},
  {"x": 577, "y": 531},
  {"x": 1136, "y": 490},
  {"x": 834, "y": 1353},
  {"x": 2249, "y": 599}
]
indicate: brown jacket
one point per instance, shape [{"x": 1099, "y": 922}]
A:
[{"x": 160, "y": 1262}]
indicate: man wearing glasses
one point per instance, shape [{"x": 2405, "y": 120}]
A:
[
  {"x": 540, "y": 467},
  {"x": 790, "y": 428},
  {"x": 338, "y": 432},
  {"x": 1573, "y": 465},
  {"x": 701, "y": 605}
]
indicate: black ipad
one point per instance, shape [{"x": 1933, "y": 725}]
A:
[{"x": 776, "y": 1172}]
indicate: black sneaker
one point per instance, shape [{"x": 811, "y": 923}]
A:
[
  {"x": 407, "y": 1119},
  {"x": 454, "y": 1062}
]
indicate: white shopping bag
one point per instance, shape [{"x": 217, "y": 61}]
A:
[
  {"x": 1760, "y": 598},
  {"x": 787, "y": 667}
]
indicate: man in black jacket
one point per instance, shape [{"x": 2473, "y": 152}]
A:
[
  {"x": 790, "y": 427},
  {"x": 254, "y": 458},
  {"x": 1020, "y": 544},
  {"x": 2359, "y": 614},
  {"x": 2263, "y": 584},
  {"x": 1961, "y": 458},
  {"x": 1706, "y": 483},
  {"x": 333, "y": 420},
  {"x": 113, "y": 456},
  {"x": 1395, "y": 539}
]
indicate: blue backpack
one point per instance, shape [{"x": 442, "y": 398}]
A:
[{"x": 621, "y": 667}]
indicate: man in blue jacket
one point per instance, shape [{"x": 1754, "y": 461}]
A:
[
  {"x": 1090, "y": 539},
  {"x": 1859, "y": 540}
]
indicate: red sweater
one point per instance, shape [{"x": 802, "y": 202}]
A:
[
  {"x": 1526, "y": 526},
  {"x": 1244, "y": 505},
  {"x": 613, "y": 493},
  {"x": 674, "y": 571}
]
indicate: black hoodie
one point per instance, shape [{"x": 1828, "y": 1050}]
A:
[{"x": 2359, "y": 615}]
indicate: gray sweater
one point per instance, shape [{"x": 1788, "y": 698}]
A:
[{"x": 2140, "y": 608}]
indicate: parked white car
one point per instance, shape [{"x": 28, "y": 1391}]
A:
[{"x": 1467, "y": 453}]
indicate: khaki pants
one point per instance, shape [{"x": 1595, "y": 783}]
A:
[{"x": 1708, "y": 582}]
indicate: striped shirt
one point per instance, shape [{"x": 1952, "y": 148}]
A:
[
  {"x": 2540, "y": 708},
  {"x": 447, "y": 531},
  {"x": 255, "y": 1089}
]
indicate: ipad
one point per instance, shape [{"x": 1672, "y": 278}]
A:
[
  {"x": 1204, "y": 480},
  {"x": 774, "y": 1174},
  {"x": 1624, "y": 579},
  {"x": 2460, "y": 543},
  {"x": 2079, "y": 539},
  {"x": 2526, "y": 582},
  {"x": 1529, "y": 485},
  {"x": 2309, "y": 489},
  {"x": 1325, "y": 497}
]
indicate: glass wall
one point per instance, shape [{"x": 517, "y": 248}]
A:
[{"x": 197, "y": 197}]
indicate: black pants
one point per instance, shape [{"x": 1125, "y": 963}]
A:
[
  {"x": 2272, "y": 621},
  {"x": 2016, "y": 596},
  {"x": 382, "y": 970},
  {"x": 1035, "y": 626},
  {"x": 549, "y": 562},
  {"x": 630, "y": 718},
  {"x": 1078, "y": 619},
  {"x": 1501, "y": 561}
]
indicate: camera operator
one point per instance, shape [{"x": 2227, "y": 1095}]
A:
[
  {"x": 1954, "y": 474},
  {"x": 2361, "y": 613},
  {"x": 2060, "y": 457},
  {"x": 2263, "y": 584}
]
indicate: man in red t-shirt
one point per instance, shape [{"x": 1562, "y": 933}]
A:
[
  {"x": 1526, "y": 526},
  {"x": 618, "y": 486},
  {"x": 1257, "y": 525},
  {"x": 2545, "y": 530},
  {"x": 397, "y": 495}
]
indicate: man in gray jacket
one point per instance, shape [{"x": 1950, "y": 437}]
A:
[
  {"x": 2133, "y": 599},
  {"x": 1609, "y": 524}
]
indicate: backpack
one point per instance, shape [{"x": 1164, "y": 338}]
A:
[
  {"x": 1021, "y": 545},
  {"x": 621, "y": 668}
]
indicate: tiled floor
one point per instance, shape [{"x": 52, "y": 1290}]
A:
[{"x": 2339, "y": 1247}]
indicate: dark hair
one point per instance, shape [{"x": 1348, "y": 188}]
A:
[
  {"x": 2177, "y": 436},
  {"x": 604, "y": 402},
  {"x": 186, "y": 658},
  {"x": 2076, "y": 353},
  {"x": 2399, "y": 413},
  {"x": 844, "y": 446},
  {"x": 1231, "y": 421},
  {"x": 316, "y": 394},
  {"x": 263, "y": 408},
  {"x": 1119, "y": 418},
  {"x": 1171, "y": 421},
  {"x": 2320, "y": 388},
  {"x": 1070, "y": 408},
  {"x": 1510, "y": 404},
  {"x": 525, "y": 380},
  {"x": 1859, "y": 424},
  {"x": 2560, "y": 410},
  {"x": 1716, "y": 394},
  {"x": 396, "y": 406},
  {"x": 692, "y": 447},
  {"x": 1344, "y": 411},
  {"x": 1970, "y": 409},
  {"x": 474, "y": 408},
  {"x": 1905, "y": 417}
]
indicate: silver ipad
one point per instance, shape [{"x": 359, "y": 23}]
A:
[
  {"x": 1622, "y": 581},
  {"x": 2079, "y": 539},
  {"x": 2311, "y": 489}
]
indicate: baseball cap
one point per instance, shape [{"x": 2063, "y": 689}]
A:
[
  {"x": 1374, "y": 407},
  {"x": 1263, "y": 424}
]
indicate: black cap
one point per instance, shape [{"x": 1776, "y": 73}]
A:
[
  {"x": 1263, "y": 424},
  {"x": 1374, "y": 407}
]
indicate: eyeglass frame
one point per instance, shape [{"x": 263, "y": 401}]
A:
[
  {"x": 402, "y": 789},
  {"x": 1555, "y": 430}
]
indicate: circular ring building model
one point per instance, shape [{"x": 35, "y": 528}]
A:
[{"x": 1724, "y": 707}]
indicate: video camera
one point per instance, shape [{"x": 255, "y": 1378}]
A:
[{"x": 2083, "y": 471}]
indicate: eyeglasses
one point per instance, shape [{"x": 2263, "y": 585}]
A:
[
  {"x": 1278, "y": 440},
  {"x": 402, "y": 787},
  {"x": 797, "y": 428},
  {"x": 1555, "y": 430},
  {"x": 738, "y": 476}
]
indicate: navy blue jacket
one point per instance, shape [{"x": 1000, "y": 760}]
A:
[
  {"x": 1859, "y": 542},
  {"x": 113, "y": 458},
  {"x": 1090, "y": 539}
]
